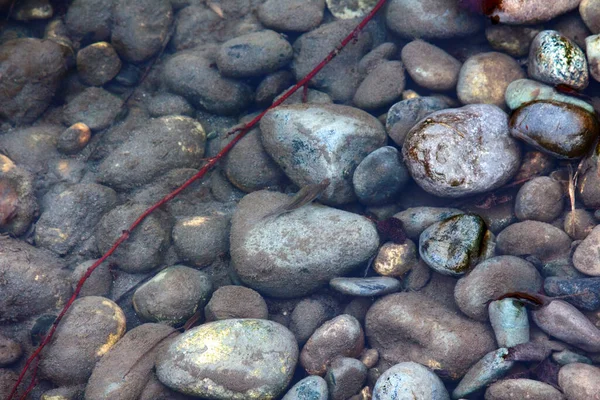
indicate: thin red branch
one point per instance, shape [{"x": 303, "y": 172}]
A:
[{"x": 207, "y": 167}]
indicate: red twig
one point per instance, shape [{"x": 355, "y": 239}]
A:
[{"x": 208, "y": 166}]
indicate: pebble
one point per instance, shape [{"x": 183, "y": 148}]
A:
[
  {"x": 380, "y": 176},
  {"x": 254, "y": 54},
  {"x": 339, "y": 242},
  {"x": 382, "y": 86},
  {"x": 509, "y": 321},
  {"x": 307, "y": 316},
  {"x": 151, "y": 150},
  {"x": 540, "y": 199},
  {"x": 310, "y": 388},
  {"x": 91, "y": 327},
  {"x": 140, "y": 29},
  {"x": 579, "y": 381},
  {"x": 89, "y": 19},
  {"x": 452, "y": 246},
  {"x": 313, "y": 96},
  {"x": 511, "y": 39},
  {"x": 429, "y": 66},
  {"x": 443, "y": 19},
  {"x": 565, "y": 357},
  {"x": 173, "y": 295},
  {"x": 585, "y": 258},
  {"x": 345, "y": 377},
  {"x": 590, "y": 13},
  {"x": 64, "y": 393},
  {"x": 535, "y": 163},
  {"x": 122, "y": 373},
  {"x": 234, "y": 358},
  {"x": 165, "y": 103},
  {"x": 484, "y": 78},
  {"x": 18, "y": 203},
  {"x": 200, "y": 239},
  {"x": 365, "y": 287},
  {"x": 63, "y": 225},
  {"x": 229, "y": 302},
  {"x": 291, "y": 15},
  {"x": 358, "y": 308},
  {"x": 416, "y": 219},
  {"x": 95, "y": 107},
  {"x": 74, "y": 139},
  {"x": 415, "y": 327},
  {"x": 340, "y": 78},
  {"x": 515, "y": 12},
  {"x": 190, "y": 75},
  {"x": 146, "y": 245},
  {"x": 592, "y": 50},
  {"x": 562, "y": 130},
  {"x": 417, "y": 278},
  {"x": 491, "y": 279},
  {"x": 555, "y": 59},
  {"x": 99, "y": 283},
  {"x": 487, "y": 370},
  {"x": 518, "y": 389},
  {"x": 249, "y": 167},
  {"x": 409, "y": 380},
  {"x": 585, "y": 291},
  {"x": 402, "y": 116},
  {"x": 437, "y": 149},
  {"x": 536, "y": 238},
  {"x": 272, "y": 85},
  {"x": 10, "y": 351},
  {"x": 97, "y": 63},
  {"x": 588, "y": 184},
  {"x": 312, "y": 142},
  {"x": 29, "y": 10},
  {"x": 23, "y": 295},
  {"x": 384, "y": 52},
  {"x": 394, "y": 259},
  {"x": 565, "y": 322},
  {"x": 341, "y": 336},
  {"x": 524, "y": 91},
  {"x": 45, "y": 67}
]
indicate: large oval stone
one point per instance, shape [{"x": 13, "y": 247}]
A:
[
  {"x": 311, "y": 142},
  {"x": 559, "y": 129},
  {"x": 293, "y": 254},
  {"x": 463, "y": 151},
  {"x": 230, "y": 359}
]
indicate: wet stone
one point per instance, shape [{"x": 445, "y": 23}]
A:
[
  {"x": 74, "y": 139},
  {"x": 491, "y": 279},
  {"x": 166, "y": 103},
  {"x": 592, "y": 50},
  {"x": 429, "y": 66},
  {"x": 380, "y": 176},
  {"x": 514, "y": 389},
  {"x": 383, "y": 52},
  {"x": 235, "y": 302},
  {"x": 254, "y": 54},
  {"x": 540, "y": 199},
  {"x": 272, "y": 85},
  {"x": 509, "y": 321},
  {"x": 312, "y": 142},
  {"x": 565, "y": 357},
  {"x": 416, "y": 219},
  {"x": 555, "y": 59},
  {"x": 199, "y": 240},
  {"x": 89, "y": 18},
  {"x": 585, "y": 291},
  {"x": 585, "y": 258},
  {"x": 590, "y": 13},
  {"x": 533, "y": 11},
  {"x": 345, "y": 377},
  {"x": 395, "y": 259},
  {"x": 536, "y": 238},
  {"x": 308, "y": 315},
  {"x": 95, "y": 107},
  {"x": 98, "y": 63},
  {"x": 235, "y": 358},
  {"x": 381, "y": 87},
  {"x": 340, "y": 336},
  {"x": 513, "y": 40},
  {"x": 524, "y": 91},
  {"x": 443, "y": 19},
  {"x": 409, "y": 379},
  {"x": 439, "y": 147},
  {"x": 491, "y": 367},
  {"x": 484, "y": 78},
  {"x": 402, "y": 116},
  {"x": 10, "y": 351},
  {"x": 18, "y": 203},
  {"x": 451, "y": 247},
  {"x": 99, "y": 283},
  {"x": 29, "y": 10},
  {"x": 561, "y": 130},
  {"x": 579, "y": 381},
  {"x": 310, "y": 388},
  {"x": 173, "y": 295},
  {"x": 291, "y": 15},
  {"x": 365, "y": 287}
]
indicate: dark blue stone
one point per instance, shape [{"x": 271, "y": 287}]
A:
[{"x": 585, "y": 291}]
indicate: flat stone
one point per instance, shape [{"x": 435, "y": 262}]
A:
[{"x": 365, "y": 287}]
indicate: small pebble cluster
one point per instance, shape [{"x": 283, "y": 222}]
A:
[{"x": 451, "y": 251}]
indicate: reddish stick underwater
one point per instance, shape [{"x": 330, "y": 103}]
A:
[{"x": 200, "y": 174}]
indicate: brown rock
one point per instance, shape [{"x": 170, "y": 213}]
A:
[
  {"x": 235, "y": 302},
  {"x": 430, "y": 66},
  {"x": 580, "y": 381}
]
